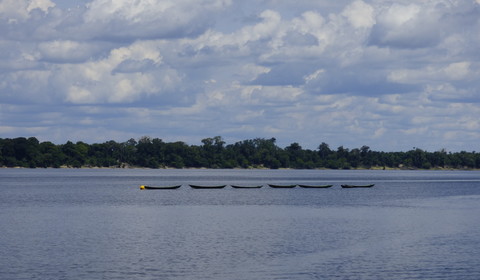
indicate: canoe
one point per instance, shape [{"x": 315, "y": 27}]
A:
[
  {"x": 143, "y": 187},
  {"x": 246, "y": 187},
  {"x": 282, "y": 186},
  {"x": 208, "y": 187},
  {"x": 315, "y": 186},
  {"x": 357, "y": 186}
]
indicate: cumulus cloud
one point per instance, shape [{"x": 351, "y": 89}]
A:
[
  {"x": 126, "y": 74},
  {"x": 349, "y": 72},
  {"x": 360, "y": 14},
  {"x": 130, "y": 20}
]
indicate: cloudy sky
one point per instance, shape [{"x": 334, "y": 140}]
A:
[{"x": 389, "y": 74}]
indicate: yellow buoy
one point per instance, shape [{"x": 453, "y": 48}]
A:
[{"x": 142, "y": 187}]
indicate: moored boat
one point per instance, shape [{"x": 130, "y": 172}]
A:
[
  {"x": 246, "y": 187},
  {"x": 357, "y": 186},
  {"x": 208, "y": 187},
  {"x": 315, "y": 186},
  {"x": 282, "y": 186},
  {"x": 143, "y": 187}
]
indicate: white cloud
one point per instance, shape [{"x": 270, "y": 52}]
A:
[
  {"x": 66, "y": 51},
  {"x": 360, "y": 14},
  {"x": 136, "y": 51},
  {"x": 265, "y": 29},
  {"x": 309, "y": 22},
  {"x": 457, "y": 70},
  {"x": 315, "y": 75},
  {"x": 19, "y": 10},
  {"x": 398, "y": 15},
  {"x": 134, "y": 11},
  {"x": 102, "y": 82},
  {"x": 79, "y": 95},
  {"x": 432, "y": 73},
  {"x": 43, "y": 5}
]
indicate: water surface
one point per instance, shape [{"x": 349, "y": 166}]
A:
[{"x": 97, "y": 224}]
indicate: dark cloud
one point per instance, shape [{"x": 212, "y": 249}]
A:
[
  {"x": 414, "y": 26},
  {"x": 296, "y": 38},
  {"x": 360, "y": 81},
  {"x": 130, "y": 21},
  {"x": 405, "y": 38},
  {"x": 123, "y": 31}
]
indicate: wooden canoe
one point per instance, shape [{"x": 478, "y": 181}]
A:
[
  {"x": 357, "y": 186},
  {"x": 143, "y": 187},
  {"x": 282, "y": 186},
  {"x": 208, "y": 187},
  {"x": 246, "y": 187},
  {"x": 315, "y": 186}
]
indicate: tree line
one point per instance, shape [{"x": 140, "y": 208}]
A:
[{"x": 215, "y": 153}]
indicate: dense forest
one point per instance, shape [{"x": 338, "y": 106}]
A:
[{"x": 215, "y": 153}]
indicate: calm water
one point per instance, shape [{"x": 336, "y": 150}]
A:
[{"x": 97, "y": 224}]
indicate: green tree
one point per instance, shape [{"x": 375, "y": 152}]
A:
[
  {"x": 213, "y": 151},
  {"x": 8, "y": 153},
  {"x": 51, "y": 155},
  {"x": 145, "y": 153},
  {"x": 296, "y": 155},
  {"x": 75, "y": 154}
]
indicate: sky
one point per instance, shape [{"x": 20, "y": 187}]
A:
[{"x": 389, "y": 74}]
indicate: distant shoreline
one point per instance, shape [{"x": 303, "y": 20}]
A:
[
  {"x": 249, "y": 168},
  {"x": 214, "y": 153}
]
